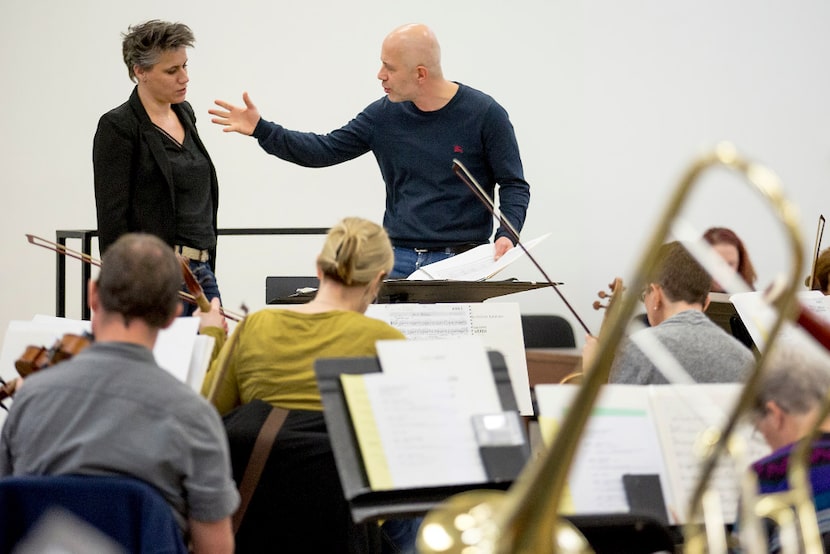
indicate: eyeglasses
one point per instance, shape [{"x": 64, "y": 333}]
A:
[{"x": 644, "y": 293}]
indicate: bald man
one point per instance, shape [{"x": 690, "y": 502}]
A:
[{"x": 415, "y": 131}]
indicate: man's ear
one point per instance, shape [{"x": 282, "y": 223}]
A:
[
  {"x": 706, "y": 302},
  {"x": 92, "y": 295}
]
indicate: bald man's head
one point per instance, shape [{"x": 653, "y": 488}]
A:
[{"x": 415, "y": 44}]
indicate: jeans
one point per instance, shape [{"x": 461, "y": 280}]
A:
[
  {"x": 207, "y": 280},
  {"x": 407, "y": 260},
  {"x": 401, "y": 535}
]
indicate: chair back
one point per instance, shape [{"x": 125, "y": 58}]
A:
[
  {"x": 127, "y": 510},
  {"x": 626, "y": 533},
  {"x": 547, "y": 331}
]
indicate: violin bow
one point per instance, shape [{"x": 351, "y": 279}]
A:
[
  {"x": 86, "y": 258},
  {"x": 468, "y": 179},
  {"x": 819, "y": 232},
  {"x": 62, "y": 249}
]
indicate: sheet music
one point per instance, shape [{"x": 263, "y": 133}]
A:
[
  {"x": 497, "y": 324},
  {"x": 618, "y": 439},
  {"x": 463, "y": 359},
  {"x": 476, "y": 264},
  {"x": 645, "y": 430},
  {"x": 413, "y": 432},
  {"x": 425, "y": 321},
  {"x": 758, "y": 316},
  {"x": 682, "y": 414}
]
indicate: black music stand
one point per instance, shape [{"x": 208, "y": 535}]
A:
[
  {"x": 368, "y": 505},
  {"x": 723, "y": 313},
  {"x": 395, "y": 291}
]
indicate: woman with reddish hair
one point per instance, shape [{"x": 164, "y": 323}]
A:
[{"x": 731, "y": 249}]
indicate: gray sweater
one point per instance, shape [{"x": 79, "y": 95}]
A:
[{"x": 704, "y": 350}]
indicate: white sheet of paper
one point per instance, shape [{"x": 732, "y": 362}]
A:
[
  {"x": 681, "y": 414},
  {"x": 497, "y": 324},
  {"x": 476, "y": 264},
  {"x": 199, "y": 363},
  {"x": 174, "y": 346},
  {"x": 618, "y": 439},
  {"x": 463, "y": 359},
  {"x": 758, "y": 316},
  {"x": 173, "y": 350},
  {"x": 650, "y": 429},
  {"x": 426, "y": 434}
]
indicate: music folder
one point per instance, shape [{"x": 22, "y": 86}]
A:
[{"x": 503, "y": 464}]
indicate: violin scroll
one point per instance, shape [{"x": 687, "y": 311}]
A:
[{"x": 616, "y": 288}]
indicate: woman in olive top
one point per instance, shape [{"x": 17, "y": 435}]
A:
[{"x": 272, "y": 360}]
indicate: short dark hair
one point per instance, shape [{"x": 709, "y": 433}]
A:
[
  {"x": 679, "y": 274},
  {"x": 140, "y": 277},
  {"x": 144, "y": 43}
]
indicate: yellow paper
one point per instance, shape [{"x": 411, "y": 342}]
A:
[
  {"x": 549, "y": 426},
  {"x": 366, "y": 429}
]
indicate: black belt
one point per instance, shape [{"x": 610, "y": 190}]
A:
[{"x": 459, "y": 249}]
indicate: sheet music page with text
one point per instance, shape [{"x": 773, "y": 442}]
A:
[
  {"x": 497, "y": 324},
  {"x": 476, "y": 264},
  {"x": 463, "y": 359},
  {"x": 413, "y": 432},
  {"x": 758, "y": 316},
  {"x": 647, "y": 429},
  {"x": 618, "y": 439},
  {"x": 683, "y": 413}
]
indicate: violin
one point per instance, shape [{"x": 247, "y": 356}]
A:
[
  {"x": 608, "y": 302},
  {"x": 611, "y": 298},
  {"x": 35, "y": 358}
]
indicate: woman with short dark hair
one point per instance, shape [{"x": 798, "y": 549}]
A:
[{"x": 152, "y": 172}]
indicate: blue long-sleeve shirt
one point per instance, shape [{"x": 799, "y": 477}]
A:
[{"x": 427, "y": 205}]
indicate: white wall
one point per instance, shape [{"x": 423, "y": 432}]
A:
[{"x": 610, "y": 100}]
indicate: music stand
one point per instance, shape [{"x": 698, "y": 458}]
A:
[
  {"x": 396, "y": 291},
  {"x": 369, "y": 505}
]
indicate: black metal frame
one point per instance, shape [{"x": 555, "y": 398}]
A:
[{"x": 86, "y": 236}]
